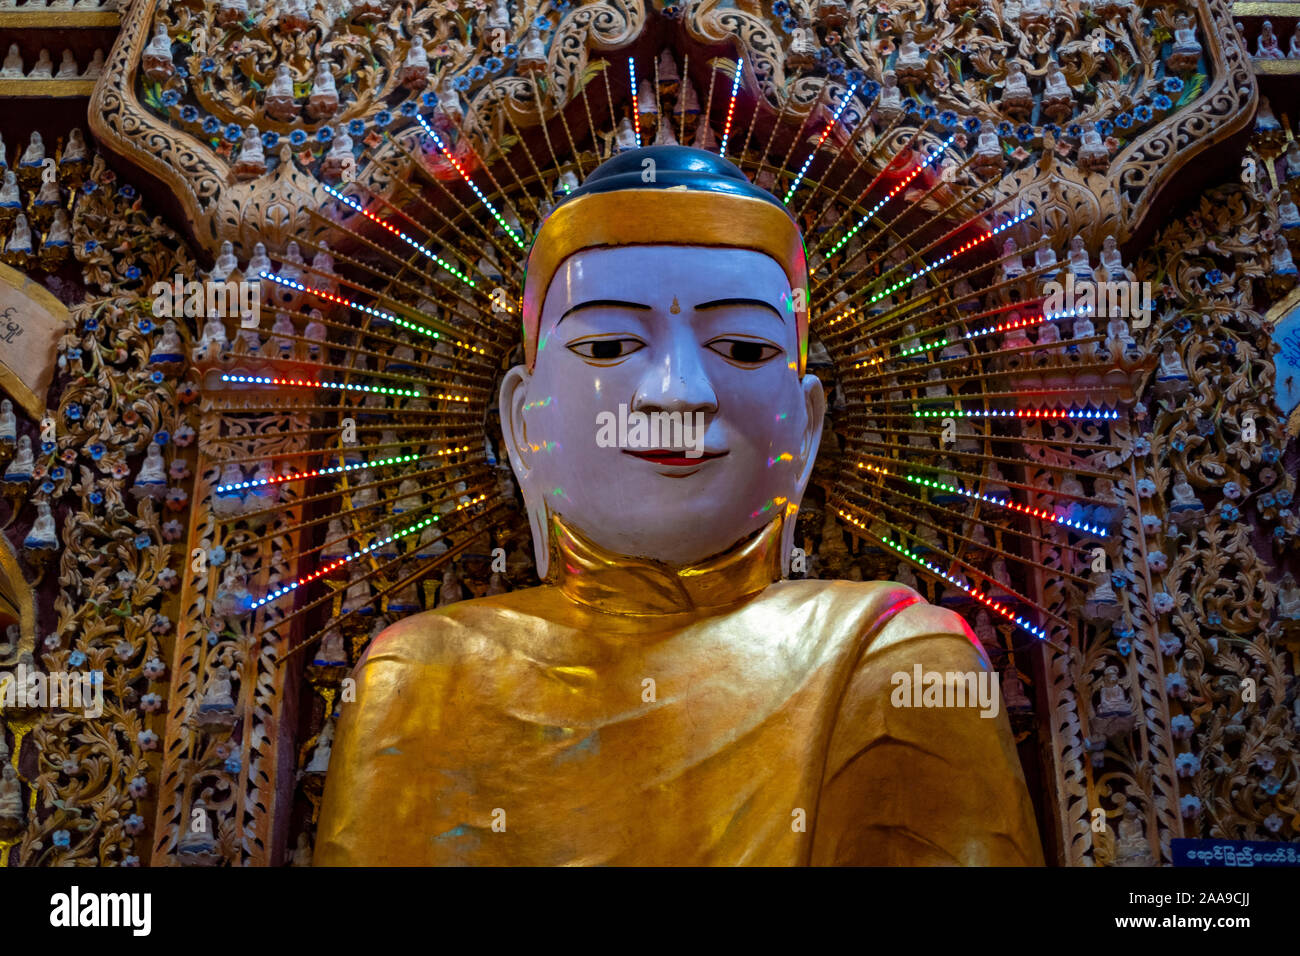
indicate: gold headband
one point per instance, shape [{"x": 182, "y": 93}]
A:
[{"x": 644, "y": 217}]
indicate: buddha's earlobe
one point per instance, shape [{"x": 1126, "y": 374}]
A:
[
  {"x": 815, "y": 410},
  {"x": 514, "y": 396}
]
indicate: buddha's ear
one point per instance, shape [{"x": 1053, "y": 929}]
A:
[
  {"x": 514, "y": 395},
  {"x": 814, "y": 397}
]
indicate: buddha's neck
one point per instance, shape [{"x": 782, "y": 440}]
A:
[{"x": 587, "y": 574}]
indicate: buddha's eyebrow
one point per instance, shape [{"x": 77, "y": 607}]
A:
[
  {"x": 719, "y": 303},
  {"x": 597, "y": 303}
]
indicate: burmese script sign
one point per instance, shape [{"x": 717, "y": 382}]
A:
[{"x": 31, "y": 320}]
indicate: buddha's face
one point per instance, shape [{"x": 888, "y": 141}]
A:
[{"x": 702, "y": 333}]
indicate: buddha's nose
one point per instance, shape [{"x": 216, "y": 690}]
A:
[{"x": 677, "y": 381}]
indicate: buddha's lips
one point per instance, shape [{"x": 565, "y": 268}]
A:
[{"x": 662, "y": 456}]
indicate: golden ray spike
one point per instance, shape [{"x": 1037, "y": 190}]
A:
[
  {"x": 776, "y": 125},
  {"x": 328, "y": 452},
  {"x": 591, "y": 121},
  {"x": 573, "y": 147},
  {"x": 803, "y": 125},
  {"x": 759, "y": 100},
  {"x": 541, "y": 121},
  {"x": 944, "y": 555},
  {"x": 708, "y": 105},
  {"x": 686, "y": 78},
  {"x": 971, "y": 477},
  {"x": 613, "y": 115},
  {"x": 377, "y": 570},
  {"x": 528, "y": 154},
  {"x": 470, "y": 461},
  {"x": 914, "y": 451},
  {"x": 924, "y": 507},
  {"x": 510, "y": 256},
  {"x": 819, "y": 184},
  {"x": 487, "y": 169}
]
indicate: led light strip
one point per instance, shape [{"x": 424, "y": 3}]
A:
[
  {"x": 991, "y": 499},
  {"x": 821, "y": 139},
  {"x": 965, "y": 247},
  {"x": 437, "y": 141},
  {"x": 334, "y": 565},
  {"x": 335, "y": 470},
  {"x": 983, "y": 598},
  {"x": 731, "y": 107},
  {"x": 307, "y": 383},
  {"x": 339, "y": 300},
  {"x": 890, "y": 195},
  {"x": 353, "y": 204},
  {"x": 1105, "y": 414},
  {"x": 636, "y": 106},
  {"x": 990, "y": 330}
]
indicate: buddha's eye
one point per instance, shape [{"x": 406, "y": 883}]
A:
[
  {"x": 606, "y": 350},
  {"x": 744, "y": 351}
]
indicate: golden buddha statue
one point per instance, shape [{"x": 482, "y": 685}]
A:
[{"x": 665, "y": 697}]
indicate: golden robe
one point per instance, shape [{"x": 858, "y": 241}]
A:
[{"x": 633, "y": 714}]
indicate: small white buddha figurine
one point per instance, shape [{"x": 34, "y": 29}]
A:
[
  {"x": 75, "y": 149},
  {"x": 20, "y": 238},
  {"x": 1114, "y": 706},
  {"x": 218, "y": 696},
  {"x": 293, "y": 16},
  {"x": 451, "y": 590},
  {"x": 8, "y": 423},
  {"x": 988, "y": 148},
  {"x": 226, "y": 263},
  {"x": 279, "y": 102},
  {"x": 197, "y": 837},
  {"x": 339, "y": 161},
  {"x": 212, "y": 336},
  {"x": 532, "y": 52},
  {"x": 1045, "y": 258},
  {"x": 1013, "y": 267},
  {"x": 323, "y": 275},
  {"x": 20, "y": 469},
  {"x": 34, "y": 154},
  {"x": 803, "y": 45},
  {"x": 152, "y": 479},
  {"x": 320, "y": 758},
  {"x": 1293, "y": 48},
  {"x": 665, "y": 135},
  {"x": 1288, "y": 215},
  {"x": 432, "y": 543},
  {"x": 1282, "y": 263},
  {"x": 10, "y": 197},
  {"x": 1111, "y": 260},
  {"x": 292, "y": 262},
  {"x": 251, "y": 161},
  {"x": 95, "y": 68},
  {"x": 449, "y": 109},
  {"x": 1185, "y": 51},
  {"x": 1288, "y": 598},
  {"x": 1267, "y": 48},
  {"x": 282, "y": 326},
  {"x": 1265, "y": 121},
  {"x": 158, "y": 63},
  {"x": 44, "y": 68},
  {"x": 67, "y": 67},
  {"x": 1293, "y": 159},
  {"x": 168, "y": 348},
  {"x": 498, "y": 17},
  {"x": 625, "y": 137},
  {"x": 331, "y": 650},
  {"x": 1171, "y": 367},
  {"x": 259, "y": 263},
  {"x": 1185, "y": 496},
  {"x": 357, "y": 598},
  {"x": 230, "y": 12},
  {"x": 414, "y": 74},
  {"x": 1132, "y": 848},
  {"x": 1083, "y": 328},
  {"x": 1058, "y": 97},
  {"x": 1080, "y": 264},
  {"x": 60, "y": 230},
  {"x": 1017, "y": 97},
  {"x": 49, "y": 194},
  {"x": 316, "y": 333},
  {"x": 910, "y": 65},
  {"x": 44, "y": 536},
  {"x": 12, "y": 811},
  {"x": 323, "y": 102},
  {"x": 1093, "y": 154},
  {"x": 12, "y": 68}
]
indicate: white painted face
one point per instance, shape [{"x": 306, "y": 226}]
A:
[{"x": 706, "y": 333}]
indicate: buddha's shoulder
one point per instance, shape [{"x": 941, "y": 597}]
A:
[
  {"x": 884, "y": 613},
  {"x": 478, "y": 629}
]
